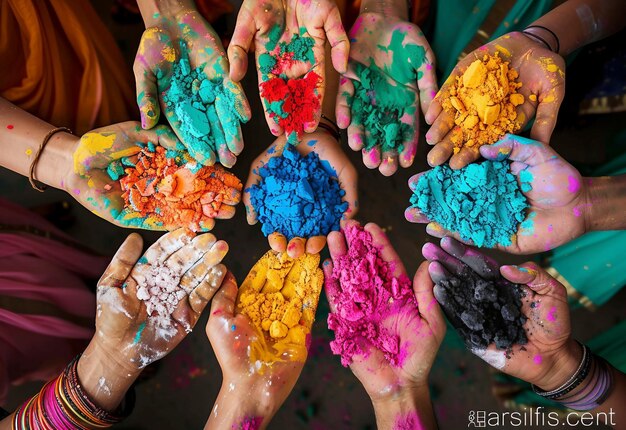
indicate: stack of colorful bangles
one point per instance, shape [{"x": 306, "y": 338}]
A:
[
  {"x": 598, "y": 378},
  {"x": 62, "y": 404}
]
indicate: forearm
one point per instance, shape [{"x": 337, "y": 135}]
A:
[
  {"x": 153, "y": 10},
  {"x": 606, "y": 203},
  {"x": 388, "y": 8},
  {"x": 21, "y": 134},
  {"x": 239, "y": 408},
  {"x": 580, "y": 22},
  {"x": 410, "y": 409}
]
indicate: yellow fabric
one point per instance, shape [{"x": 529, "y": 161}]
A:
[{"x": 61, "y": 63}]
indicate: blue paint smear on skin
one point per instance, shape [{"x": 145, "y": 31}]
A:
[
  {"x": 525, "y": 179},
  {"x": 311, "y": 142},
  {"x": 143, "y": 260},
  {"x": 527, "y": 228},
  {"x": 233, "y": 327},
  {"x": 139, "y": 331}
]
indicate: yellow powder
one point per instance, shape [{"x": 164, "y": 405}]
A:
[
  {"x": 280, "y": 297},
  {"x": 483, "y": 101}
]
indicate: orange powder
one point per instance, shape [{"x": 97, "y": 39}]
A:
[
  {"x": 280, "y": 296},
  {"x": 483, "y": 101},
  {"x": 169, "y": 186}
]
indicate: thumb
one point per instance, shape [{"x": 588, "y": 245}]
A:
[
  {"x": 428, "y": 307},
  {"x": 240, "y": 44},
  {"x": 223, "y": 305},
  {"x": 122, "y": 263},
  {"x": 536, "y": 278}
]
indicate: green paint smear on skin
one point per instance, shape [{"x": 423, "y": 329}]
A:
[
  {"x": 266, "y": 63},
  {"x": 406, "y": 59},
  {"x": 139, "y": 331},
  {"x": 301, "y": 47},
  {"x": 195, "y": 101},
  {"x": 273, "y": 36},
  {"x": 482, "y": 202},
  {"x": 378, "y": 106}
]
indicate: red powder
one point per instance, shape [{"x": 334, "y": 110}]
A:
[{"x": 300, "y": 101}]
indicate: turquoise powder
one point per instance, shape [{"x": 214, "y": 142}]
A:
[
  {"x": 194, "y": 101},
  {"x": 482, "y": 202}
]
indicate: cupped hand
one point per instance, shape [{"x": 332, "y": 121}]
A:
[
  {"x": 186, "y": 271},
  {"x": 272, "y": 25},
  {"x": 90, "y": 184},
  {"x": 394, "y": 58},
  {"x": 188, "y": 38},
  {"x": 548, "y": 357},
  {"x": 329, "y": 150},
  {"x": 558, "y": 201},
  {"x": 542, "y": 75},
  {"x": 420, "y": 329}
]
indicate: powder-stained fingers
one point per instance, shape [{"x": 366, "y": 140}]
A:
[
  {"x": 167, "y": 245},
  {"x": 338, "y": 40},
  {"x": 228, "y": 119},
  {"x": 407, "y": 155},
  {"x": 436, "y": 230},
  {"x": 371, "y": 157},
  {"x": 482, "y": 264},
  {"x": 275, "y": 129},
  {"x": 464, "y": 157},
  {"x": 440, "y": 128},
  {"x": 547, "y": 112},
  {"x": 415, "y": 216},
  {"x": 337, "y": 243},
  {"x": 389, "y": 163},
  {"x": 445, "y": 298},
  {"x": 413, "y": 180},
  {"x": 356, "y": 137},
  {"x": 331, "y": 286},
  {"x": 277, "y": 241},
  {"x": 206, "y": 224},
  {"x": 200, "y": 268},
  {"x": 433, "y": 252},
  {"x": 155, "y": 223},
  {"x": 204, "y": 292},
  {"x": 427, "y": 83},
  {"x": 387, "y": 252},
  {"x": 315, "y": 244},
  {"x": 433, "y": 112},
  {"x": 223, "y": 305},
  {"x": 427, "y": 304},
  {"x": 518, "y": 148},
  {"x": 167, "y": 138},
  {"x": 240, "y": 44},
  {"x": 343, "y": 104},
  {"x": 122, "y": 263},
  {"x": 536, "y": 278},
  {"x": 203, "y": 155},
  {"x": 226, "y": 212},
  {"x": 180, "y": 261},
  {"x": 440, "y": 153},
  {"x": 295, "y": 247}
]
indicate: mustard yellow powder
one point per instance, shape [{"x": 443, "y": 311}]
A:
[
  {"x": 280, "y": 297},
  {"x": 483, "y": 101}
]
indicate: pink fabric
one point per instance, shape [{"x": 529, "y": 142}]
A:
[{"x": 37, "y": 347}]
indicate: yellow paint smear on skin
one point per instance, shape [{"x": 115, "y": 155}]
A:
[
  {"x": 128, "y": 152},
  {"x": 90, "y": 145},
  {"x": 149, "y": 34},
  {"x": 168, "y": 54},
  {"x": 549, "y": 65},
  {"x": 503, "y": 50},
  {"x": 280, "y": 297},
  {"x": 29, "y": 152}
]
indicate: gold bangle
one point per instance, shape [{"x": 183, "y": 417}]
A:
[{"x": 33, "y": 165}]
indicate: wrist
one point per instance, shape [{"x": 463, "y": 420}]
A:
[
  {"x": 387, "y": 8},
  {"x": 604, "y": 200},
  {"x": 564, "y": 364},
  {"x": 154, "y": 11},
  {"x": 410, "y": 406},
  {"x": 56, "y": 162}
]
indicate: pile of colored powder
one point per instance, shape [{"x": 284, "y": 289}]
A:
[
  {"x": 483, "y": 311},
  {"x": 196, "y": 102},
  {"x": 291, "y": 102},
  {"x": 482, "y": 202},
  {"x": 366, "y": 293},
  {"x": 378, "y": 105},
  {"x": 161, "y": 293},
  {"x": 483, "y": 101},
  {"x": 298, "y": 196},
  {"x": 280, "y": 297},
  {"x": 170, "y": 186}
]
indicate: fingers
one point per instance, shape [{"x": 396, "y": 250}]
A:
[
  {"x": 338, "y": 39},
  {"x": 415, "y": 216},
  {"x": 464, "y": 157},
  {"x": 223, "y": 305},
  {"x": 194, "y": 276},
  {"x": 427, "y": 83},
  {"x": 517, "y": 148},
  {"x": 407, "y": 155},
  {"x": 440, "y": 127},
  {"x": 331, "y": 285},
  {"x": 342, "y": 108},
  {"x": 337, "y": 244},
  {"x": 122, "y": 263},
  {"x": 546, "y": 116},
  {"x": 356, "y": 139},
  {"x": 181, "y": 260},
  {"x": 349, "y": 183},
  {"x": 387, "y": 252},
  {"x": 433, "y": 252},
  {"x": 295, "y": 247},
  {"x": 167, "y": 245},
  {"x": 441, "y": 152},
  {"x": 147, "y": 97},
  {"x": 433, "y": 111},
  {"x": 371, "y": 157},
  {"x": 203, "y": 293},
  {"x": 278, "y": 242},
  {"x": 315, "y": 244},
  {"x": 389, "y": 163},
  {"x": 437, "y": 272},
  {"x": 535, "y": 278},
  {"x": 240, "y": 44},
  {"x": 427, "y": 304},
  {"x": 485, "y": 266}
]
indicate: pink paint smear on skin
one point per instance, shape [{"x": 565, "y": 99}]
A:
[
  {"x": 366, "y": 294},
  {"x": 551, "y": 314},
  {"x": 573, "y": 184},
  {"x": 537, "y": 359},
  {"x": 249, "y": 423},
  {"x": 410, "y": 421}
]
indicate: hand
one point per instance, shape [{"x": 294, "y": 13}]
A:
[
  {"x": 90, "y": 184},
  {"x": 272, "y": 23},
  {"x": 187, "y": 36},
  {"x": 328, "y": 149},
  {"x": 398, "y": 53},
  {"x": 130, "y": 335},
  {"x": 550, "y": 356},
  {"x": 542, "y": 75},
  {"x": 419, "y": 328},
  {"x": 558, "y": 200}
]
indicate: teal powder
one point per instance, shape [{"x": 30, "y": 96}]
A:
[
  {"x": 378, "y": 106},
  {"x": 195, "y": 101},
  {"x": 526, "y": 178},
  {"x": 266, "y": 63},
  {"x": 406, "y": 59},
  {"x": 142, "y": 326},
  {"x": 273, "y": 36},
  {"x": 301, "y": 47},
  {"x": 482, "y": 202}
]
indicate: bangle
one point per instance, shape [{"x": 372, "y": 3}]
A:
[
  {"x": 31, "y": 174},
  {"x": 595, "y": 392},
  {"x": 332, "y": 127},
  {"x": 574, "y": 381},
  {"x": 533, "y": 35}
]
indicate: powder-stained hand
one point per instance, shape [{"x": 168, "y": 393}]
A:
[
  {"x": 181, "y": 69},
  {"x": 558, "y": 197},
  {"x": 550, "y": 355},
  {"x": 147, "y": 305},
  {"x": 289, "y": 39},
  {"x": 391, "y": 71},
  {"x": 541, "y": 73}
]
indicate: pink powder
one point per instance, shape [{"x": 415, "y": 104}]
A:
[
  {"x": 551, "y": 314},
  {"x": 410, "y": 421},
  {"x": 249, "y": 423},
  {"x": 366, "y": 293},
  {"x": 161, "y": 293}
]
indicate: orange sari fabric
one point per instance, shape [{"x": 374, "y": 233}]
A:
[{"x": 60, "y": 63}]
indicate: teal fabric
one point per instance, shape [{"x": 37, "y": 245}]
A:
[{"x": 457, "y": 21}]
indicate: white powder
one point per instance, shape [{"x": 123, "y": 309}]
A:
[{"x": 161, "y": 293}]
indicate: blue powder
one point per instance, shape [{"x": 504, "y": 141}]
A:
[
  {"x": 298, "y": 196},
  {"x": 482, "y": 202},
  {"x": 195, "y": 101}
]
